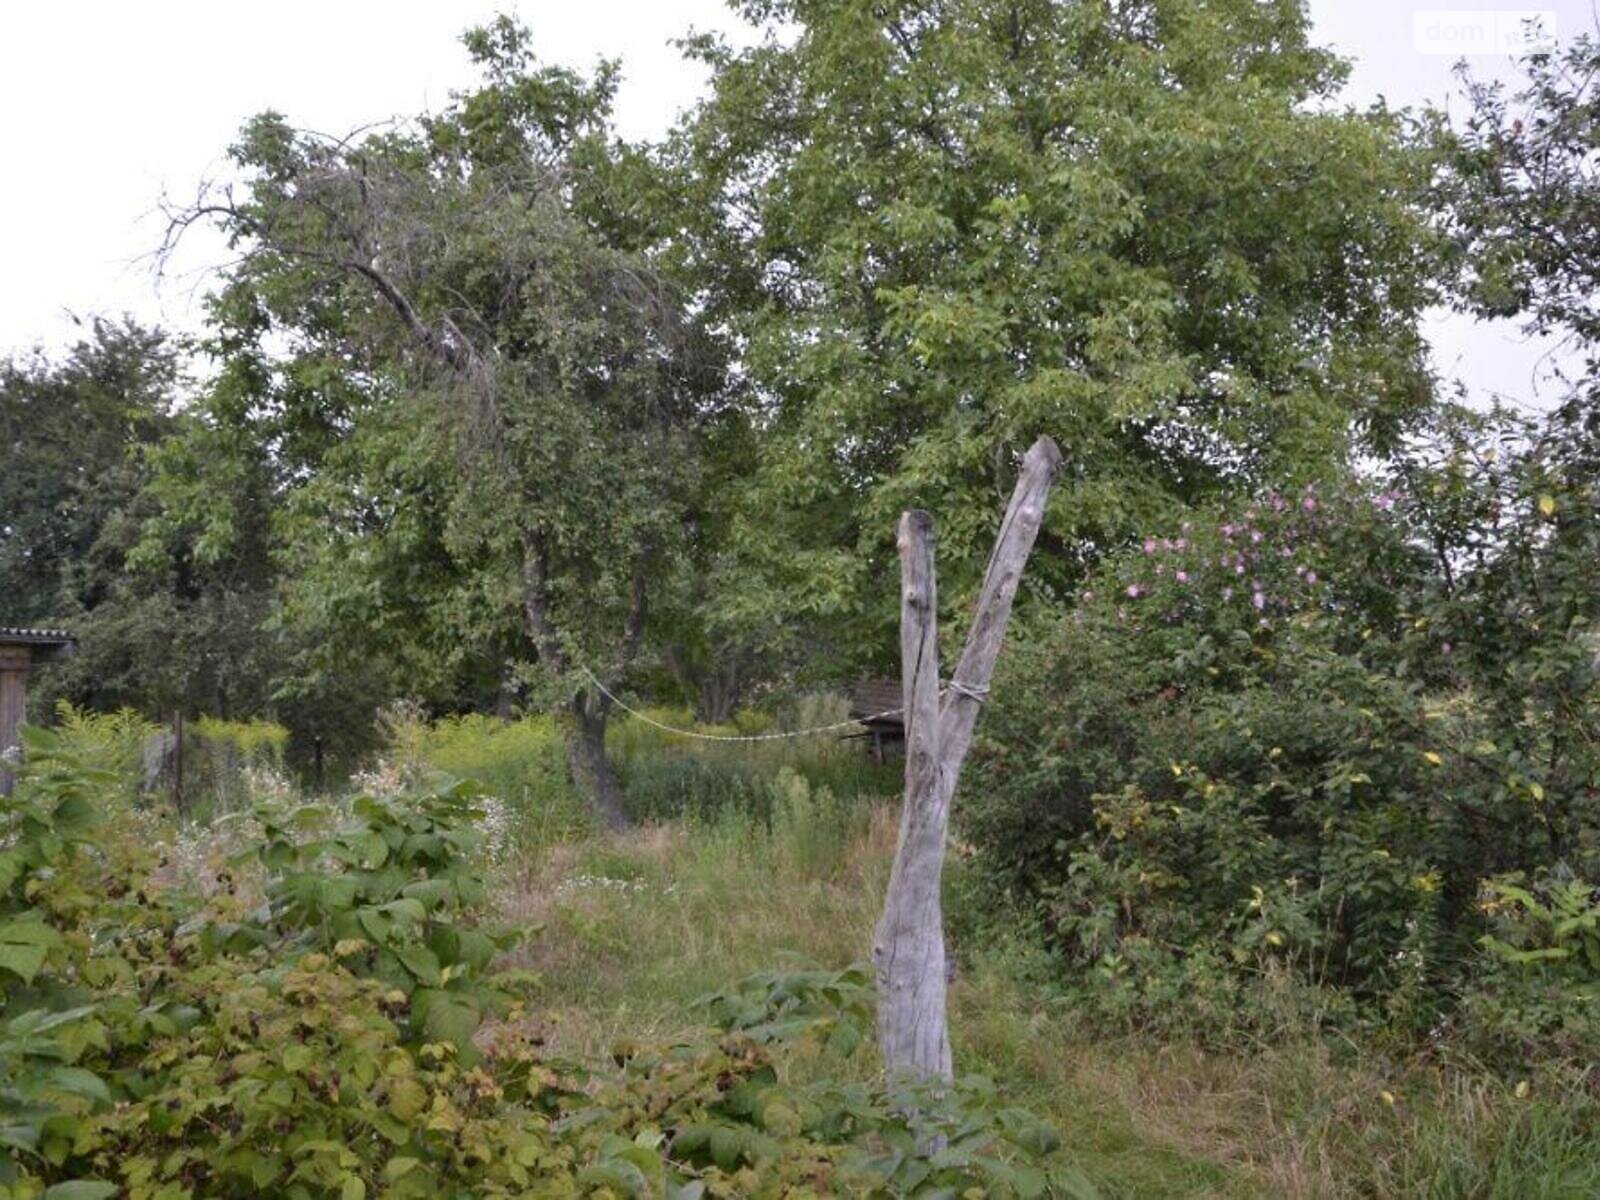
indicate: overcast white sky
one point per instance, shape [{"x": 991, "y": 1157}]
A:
[{"x": 106, "y": 103}]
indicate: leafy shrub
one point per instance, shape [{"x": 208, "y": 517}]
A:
[
  {"x": 327, "y": 1042},
  {"x": 520, "y": 763},
  {"x": 1289, "y": 745},
  {"x": 112, "y": 742},
  {"x": 1539, "y": 985},
  {"x": 391, "y": 888}
]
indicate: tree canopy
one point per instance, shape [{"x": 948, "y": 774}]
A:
[
  {"x": 483, "y": 433},
  {"x": 933, "y": 230}
]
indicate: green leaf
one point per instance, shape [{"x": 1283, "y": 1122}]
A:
[
  {"x": 81, "y": 1189},
  {"x": 445, "y": 1016},
  {"x": 24, "y": 946},
  {"x": 397, "y": 1168},
  {"x": 421, "y": 962},
  {"x": 78, "y": 1082},
  {"x": 407, "y": 1098}
]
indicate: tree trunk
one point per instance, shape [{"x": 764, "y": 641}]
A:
[
  {"x": 719, "y": 694},
  {"x": 909, "y": 949},
  {"x": 587, "y": 764}
]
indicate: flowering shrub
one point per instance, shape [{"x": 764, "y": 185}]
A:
[{"x": 1291, "y": 742}]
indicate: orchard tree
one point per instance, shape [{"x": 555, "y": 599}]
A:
[
  {"x": 932, "y": 229},
  {"x": 505, "y": 389}
]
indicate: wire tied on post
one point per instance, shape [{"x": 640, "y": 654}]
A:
[{"x": 978, "y": 692}]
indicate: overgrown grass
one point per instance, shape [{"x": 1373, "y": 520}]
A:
[
  {"x": 664, "y": 776},
  {"x": 633, "y": 930},
  {"x": 520, "y": 762},
  {"x": 750, "y": 854},
  {"x": 636, "y": 928}
]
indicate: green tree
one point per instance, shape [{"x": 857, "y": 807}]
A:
[
  {"x": 935, "y": 229},
  {"x": 161, "y": 633},
  {"x": 502, "y": 387},
  {"x": 74, "y": 432},
  {"x": 1521, "y": 198}
]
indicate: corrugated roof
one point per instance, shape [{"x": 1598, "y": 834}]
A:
[
  {"x": 16, "y": 633},
  {"x": 44, "y": 645}
]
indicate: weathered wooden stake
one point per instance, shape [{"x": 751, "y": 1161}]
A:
[{"x": 908, "y": 950}]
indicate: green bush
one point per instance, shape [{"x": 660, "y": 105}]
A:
[
  {"x": 1262, "y": 769},
  {"x": 113, "y": 742},
  {"x": 519, "y": 763},
  {"x": 329, "y": 1041},
  {"x": 1538, "y": 990}
]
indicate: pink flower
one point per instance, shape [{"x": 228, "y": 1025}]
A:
[
  {"x": 1311, "y": 576},
  {"x": 1182, "y": 577},
  {"x": 1181, "y": 544},
  {"x": 1259, "y": 599},
  {"x": 1255, "y": 535},
  {"x": 1134, "y": 591},
  {"x": 1149, "y": 545},
  {"x": 1309, "y": 504}
]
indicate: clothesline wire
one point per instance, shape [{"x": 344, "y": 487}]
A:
[{"x": 969, "y": 690}]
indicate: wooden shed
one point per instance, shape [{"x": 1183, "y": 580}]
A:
[
  {"x": 20, "y": 651},
  {"x": 878, "y": 705}
]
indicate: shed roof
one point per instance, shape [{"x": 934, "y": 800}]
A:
[
  {"x": 880, "y": 699},
  {"x": 46, "y": 644},
  {"x": 16, "y": 633}
]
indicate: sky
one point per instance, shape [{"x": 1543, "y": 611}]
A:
[{"x": 107, "y": 105}]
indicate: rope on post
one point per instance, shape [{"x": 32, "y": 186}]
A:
[{"x": 962, "y": 688}]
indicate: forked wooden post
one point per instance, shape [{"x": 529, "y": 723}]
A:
[{"x": 908, "y": 950}]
